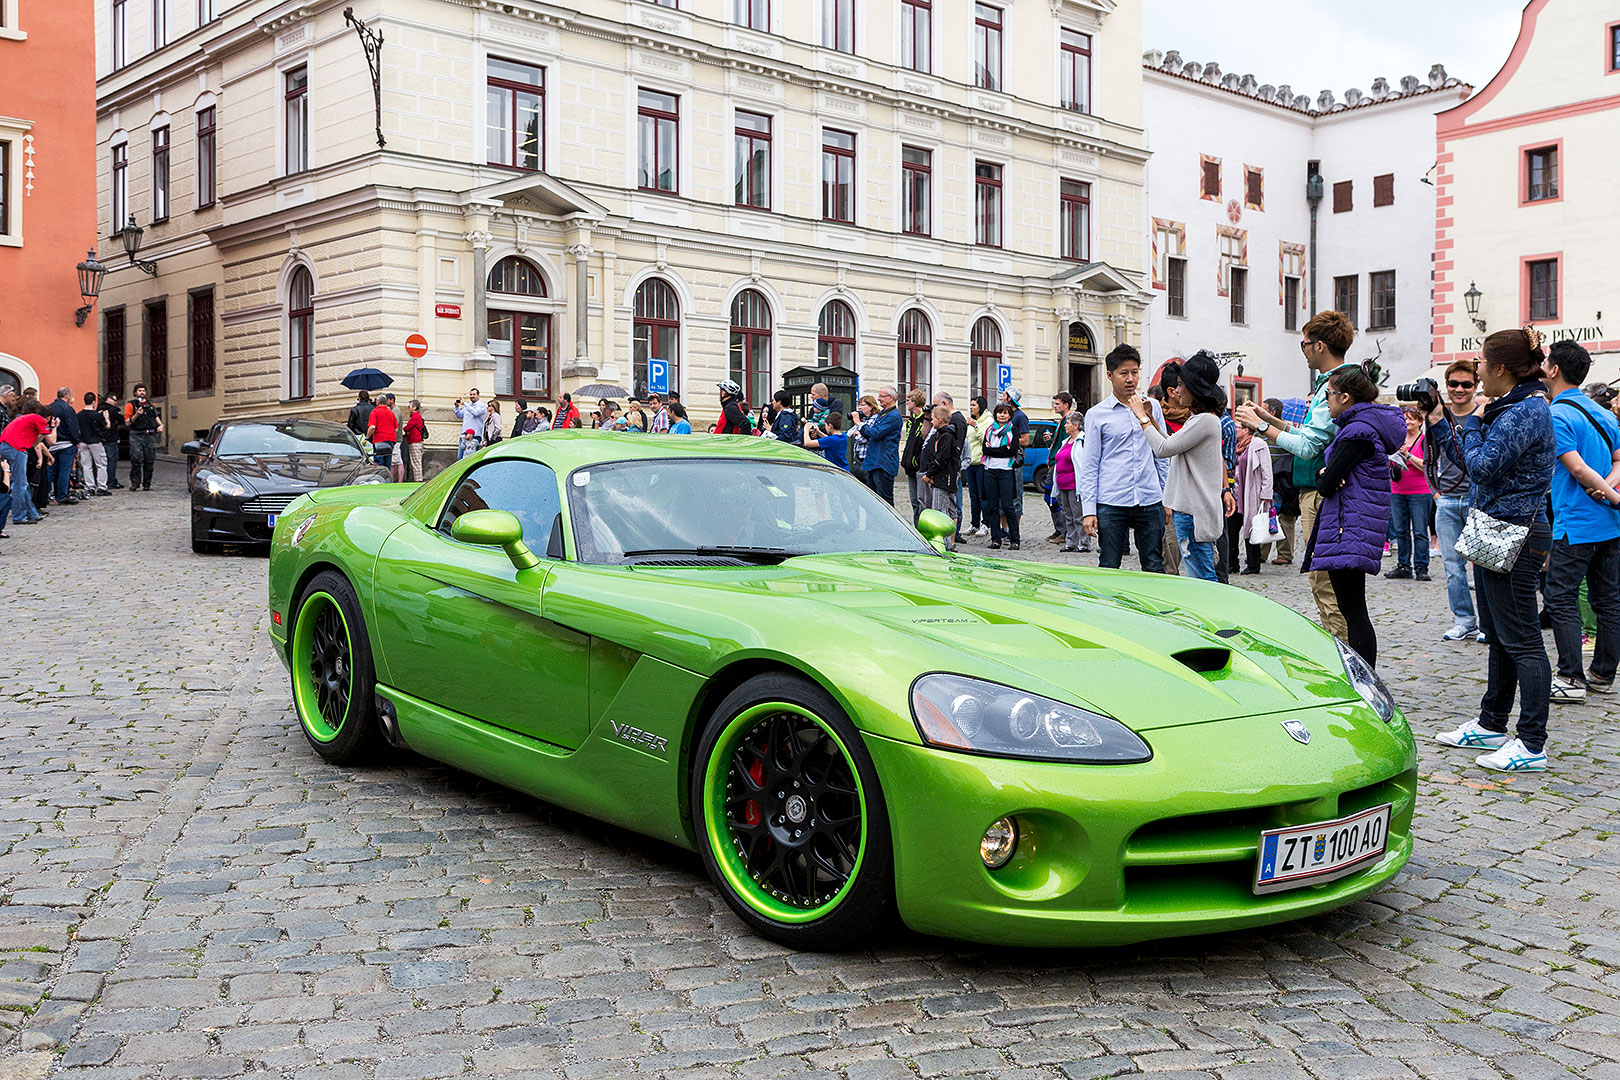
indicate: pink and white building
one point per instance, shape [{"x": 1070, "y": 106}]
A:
[{"x": 1528, "y": 182}]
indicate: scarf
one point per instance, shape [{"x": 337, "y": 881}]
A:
[
  {"x": 1174, "y": 413},
  {"x": 999, "y": 435},
  {"x": 1244, "y": 436},
  {"x": 1530, "y": 388}
]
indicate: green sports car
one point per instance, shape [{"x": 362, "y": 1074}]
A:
[{"x": 730, "y": 645}]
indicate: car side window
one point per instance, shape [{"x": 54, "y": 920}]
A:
[
  {"x": 1043, "y": 437},
  {"x": 525, "y": 489}
]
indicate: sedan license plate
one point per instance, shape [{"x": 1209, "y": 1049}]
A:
[
  {"x": 1311, "y": 854},
  {"x": 272, "y": 522}
]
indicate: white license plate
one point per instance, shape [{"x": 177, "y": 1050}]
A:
[
  {"x": 1311, "y": 854},
  {"x": 272, "y": 521}
]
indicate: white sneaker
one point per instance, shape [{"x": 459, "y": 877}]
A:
[
  {"x": 984, "y": 530},
  {"x": 1472, "y": 735},
  {"x": 1513, "y": 757},
  {"x": 1481, "y": 638},
  {"x": 1563, "y": 690},
  {"x": 1457, "y": 633}
]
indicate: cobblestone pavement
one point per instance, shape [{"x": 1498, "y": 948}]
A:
[{"x": 187, "y": 891}]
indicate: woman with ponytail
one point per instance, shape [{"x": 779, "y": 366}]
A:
[
  {"x": 1347, "y": 540},
  {"x": 1508, "y": 449}
]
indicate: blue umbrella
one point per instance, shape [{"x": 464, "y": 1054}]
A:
[{"x": 367, "y": 378}]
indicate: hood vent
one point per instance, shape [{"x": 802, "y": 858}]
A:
[{"x": 1205, "y": 661}]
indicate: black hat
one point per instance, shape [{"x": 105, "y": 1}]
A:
[{"x": 1201, "y": 375}]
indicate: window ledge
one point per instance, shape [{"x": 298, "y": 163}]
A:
[
  {"x": 13, "y": 35},
  {"x": 1379, "y": 329},
  {"x": 11, "y": 240}
]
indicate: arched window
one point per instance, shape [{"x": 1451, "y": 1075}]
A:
[
  {"x": 520, "y": 341},
  {"x": 656, "y": 333},
  {"x": 517, "y": 276},
  {"x": 751, "y": 346},
  {"x": 915, "y": 367},
  {"x": 836, "y": 342},
  {"x": 985, "y": 358},
  {"x": 300, "y": 334}
]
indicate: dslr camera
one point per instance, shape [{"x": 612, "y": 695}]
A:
[{"x": 1422, "y": 392}]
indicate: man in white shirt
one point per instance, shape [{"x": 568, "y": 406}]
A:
[{"x": 1121, "y": 483}]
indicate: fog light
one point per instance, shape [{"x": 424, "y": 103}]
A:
[{"x": 998, "y": 844}]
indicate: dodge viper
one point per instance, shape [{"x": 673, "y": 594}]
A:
[{"x": 730, "y": 645}]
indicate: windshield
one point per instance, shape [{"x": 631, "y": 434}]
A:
[
  {"x": 278, "y": 439},
  {"x": 720, "y": 505}
]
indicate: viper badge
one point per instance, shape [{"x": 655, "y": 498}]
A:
[{"x": 1297, "y": 731}]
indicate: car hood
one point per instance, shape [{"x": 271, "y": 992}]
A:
[
  {"x": 292, "y": 472},
  {"x": 1152, "y": 650}
]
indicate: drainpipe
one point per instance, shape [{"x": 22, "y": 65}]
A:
[{"x": 1313, "y": 195}]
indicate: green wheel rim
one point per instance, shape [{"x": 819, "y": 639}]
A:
[
  {"x": 323, "y": 667},
  {"x": 785, "y": 812}
]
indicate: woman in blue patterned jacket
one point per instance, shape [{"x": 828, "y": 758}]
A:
[{"x": 1509, "y": 453}]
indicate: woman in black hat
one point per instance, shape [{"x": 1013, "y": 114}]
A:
[{"x": 1197, "y": 471}]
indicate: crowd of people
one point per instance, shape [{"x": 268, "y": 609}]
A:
[{"x": 60, "y": 454}]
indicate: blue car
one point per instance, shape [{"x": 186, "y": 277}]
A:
[{"x": 1038, "y": 454}]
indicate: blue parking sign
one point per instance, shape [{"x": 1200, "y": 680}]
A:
[
  {"x": 1003, "y": 377},
  {"x": 658, "y": 376}
]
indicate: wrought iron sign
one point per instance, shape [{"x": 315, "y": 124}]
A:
[{"x": 371, "y": 41}]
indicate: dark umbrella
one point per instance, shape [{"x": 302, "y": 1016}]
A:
[
  {"x": 597, "y": 390},
  {"x": 367, "y": 378}
]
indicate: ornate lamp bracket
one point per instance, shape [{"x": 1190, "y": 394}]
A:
[{"x": 372, "y": 42}]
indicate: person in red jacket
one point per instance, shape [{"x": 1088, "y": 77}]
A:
[
  {"x": 415, "y": 436},
  {"x": 382, "y": 428}
]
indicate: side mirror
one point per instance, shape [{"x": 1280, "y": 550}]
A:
[
  {"x": 192, "y": 449},
  {"x": 495, "y": 528},
  {"x": 936, "y": 527}
]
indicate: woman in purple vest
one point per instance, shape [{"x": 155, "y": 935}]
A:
[{"x": 1348, "y": 541}]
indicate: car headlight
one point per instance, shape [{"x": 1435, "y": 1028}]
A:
[
  {"x": 1366, "y": 682},
  {"x": 958, "y": 713},
  {"x": 373, "y": 478},
  {"x": 218, "y": 485}
]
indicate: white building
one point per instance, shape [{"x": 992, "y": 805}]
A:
[
  {"x": 1242, "y": 255},
  {"x": 1529, "y": 182},
  {"x": 552, "y": 195}
]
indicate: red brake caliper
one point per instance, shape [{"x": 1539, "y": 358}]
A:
[{"x": 751, "y": 812}]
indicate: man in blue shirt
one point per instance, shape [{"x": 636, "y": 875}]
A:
[
  {"x": 1121, "y": 483},
  {"x": 883, "y": 446},
  {"x": 831, "y": 441},
  {"x": 66, "y": 448},
  {"x": 1586, "y": 527}
]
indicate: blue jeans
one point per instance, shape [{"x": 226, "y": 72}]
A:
[
  {"x": 23, "y": 509},
  {"x": 882, "y": 483},
  {"x": 1114, "y": 527},
  {"x": 1410, "y": 514},
  {"x": 1197, "y": 556},
  {"x": 974, "y": 480},
  {"x": 1450, "y": 511},
  {"x": 62, "y": 470}
]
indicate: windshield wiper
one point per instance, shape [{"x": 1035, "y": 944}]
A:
[{"x": 755, "y": 554}]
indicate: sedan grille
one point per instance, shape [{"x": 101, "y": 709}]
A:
[{"x": 270, "y": 504}]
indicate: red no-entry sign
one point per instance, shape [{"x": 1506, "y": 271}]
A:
[{"x": 416, "y": 346}]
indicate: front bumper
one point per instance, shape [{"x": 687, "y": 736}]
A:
[
  {"x": 222, "y": 521},
  {"x": 1110, "y": 855}
]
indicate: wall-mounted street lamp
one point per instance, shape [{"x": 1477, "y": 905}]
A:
[
  {"x": 1471, "y": 299},
  {"x": 131, "y": 235},
  {"x": 90, "y": 274}
]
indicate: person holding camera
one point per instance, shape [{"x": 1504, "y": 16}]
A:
[
  {"x": 1586, "y": 527},
  {"x": 145, "y": 424},
  {"x": 1447, "y": 479},
  {"x": 114, "y": 414},
  {"x": 1410, "y": 501},
  {"x": 1510, "y": 451},
  {"x": 472, "y": 415}
]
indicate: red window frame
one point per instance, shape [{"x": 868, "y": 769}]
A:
[
  {"x": 917, "y": 35},
  {"x": 205, "y": 12},
  {"x": 657, "y": 306},
  {"x": 838, "y": 16},
  {"x": 116, "y": 361},
  {"x": 836, "y": 335},
  {"x": 200, "y": 323},
  {"x": 120, "y": 33},
  {"x": 521, "y": 320},
  {"x": 838, "y": 159},
  {"x": 5, "y": 187},
  {"x": 1551, "y": 296},
  {"x": 1074, "y": 197},
  {"x": 749, "y": 142},
  {"x": 748, "y": 10},
  {"x": 985, "y": 358},
  {"x": 916, "y": 192},
  {"x": 160, "y": 174},
  {"x": 516, "y": 276},
  {"x": 1076, "y": 62},
  {"x": 989, "y": 23},
  {"x": 659, "y": 118},
  {"x": 511, "y": 89},
  {"x": 157, "y": 347},
  {"x": 207, "y": 159},
  {"x": 295, "y": 114},
  {"x": 119, "y": 198},
  {"x": 989, "y": 205},
  {"x": 915, "y": 354},
  {"x": 750, "y": 345},
  {"x": 300, "y": 364},
  {"x": 160, "y": 23}
]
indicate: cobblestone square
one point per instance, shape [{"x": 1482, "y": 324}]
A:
[{"x": 187, "y": 891}]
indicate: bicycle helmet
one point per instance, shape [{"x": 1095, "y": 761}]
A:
[{"x": 730, "y": 388}]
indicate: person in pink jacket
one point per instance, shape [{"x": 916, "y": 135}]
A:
[
  {"x": 1065, "y": 476},
  {"x": 1254, "y": 494},
  {"x": 1410, "y": 502}
]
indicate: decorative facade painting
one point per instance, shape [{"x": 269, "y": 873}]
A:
[
  {"x": 1234, "y": 248},
  {"x": 1290, "y": 264},
  {"x": 1169, "y": 241}
]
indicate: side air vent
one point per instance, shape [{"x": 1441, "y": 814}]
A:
[{"x": 1205, "y": 660}]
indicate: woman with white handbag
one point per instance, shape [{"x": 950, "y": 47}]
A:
[
  {"x": 1509, "y": 450},
  {"x": 1254, "y": 496}
]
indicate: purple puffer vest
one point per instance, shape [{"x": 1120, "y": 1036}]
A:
[{"x": 1353, "y": 523}]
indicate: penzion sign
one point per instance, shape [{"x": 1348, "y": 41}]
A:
[{"x": 1556, "y": 334}]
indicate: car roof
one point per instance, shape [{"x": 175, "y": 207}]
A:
[
  {"x": 575, "y": 447},
  {"x": 272, "y": 421}
]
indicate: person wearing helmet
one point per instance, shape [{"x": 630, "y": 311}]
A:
[{"x": 733, "y": 420}]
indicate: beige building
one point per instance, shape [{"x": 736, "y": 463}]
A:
[{"x": 922, "y": 190}]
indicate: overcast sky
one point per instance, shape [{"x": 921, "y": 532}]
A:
[{"x": 1313, "y": 45}]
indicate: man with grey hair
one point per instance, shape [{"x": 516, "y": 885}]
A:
[
  {"x": 8, "y": 401},
  {"x": 883, "y": 445},
  {"x": 66, "y": 448}
]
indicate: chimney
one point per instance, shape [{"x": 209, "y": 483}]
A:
[
  {"x": 1172, "y": 60},
  {"x": 1409, "y": 84},
  {"x": 1352, "y": 98},
  {"x": 1324, "y": 101},
  {"x": 1380, "y": 88},
  {"x": 1249, "y": 85},
  {"x": 1437, "y": 77},
  {"x": 1152, "y": 58}
]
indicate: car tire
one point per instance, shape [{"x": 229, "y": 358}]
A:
[
  {"x": 808, "y": 864},
  {"x": 334, "y": 683},
  {"x": 1038, "y": 482}
]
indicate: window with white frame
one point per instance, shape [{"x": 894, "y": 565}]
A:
[
  {"x": 119, "y": 190},
  {"x": 658, "y": 121},
  {"x": 300, "y": 334},
  {"x": 916, "y": 191},
  {"x": 8, "y": 203},
  {"x": 160, "y": 174},
  {"x": 1234, "y": 252},
  {"x": 987, "y": 204},
  {"x": 837, "y": 176},
  {"x": 1170, "y": 264},
  {"x": 987, "y": 32},
  {"x": 916, "y": 35},
  {"x": 160, "y": 23},
  {"x": 753, "y": 160},
  {"x": 295, "y": 113},
  {"x": 514, "y": 114},
  {"x": 754, "y": 14},
  {"x": 1074, "y": 52},
  {"x": 119, "y": 30},
  {"x": 1075, "y": 220},
  {"x": 207, "y": 11},
  {"x": 838, "y": 25},
  {"x": 207, "y": 160}
]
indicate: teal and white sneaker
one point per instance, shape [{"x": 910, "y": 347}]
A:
[
  {"x": 1513, "y": 757},
  {"x": 1472, "y": 735}
]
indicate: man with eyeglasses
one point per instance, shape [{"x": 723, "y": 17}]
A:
[
  {"x": 472, "y": 416},
  {"x": 883, "y": 445},
  {"x": 1449, "y": 482},
  {"x": 1324, "y": 340}
]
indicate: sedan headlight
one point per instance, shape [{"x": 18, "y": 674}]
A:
[
  {"x": 1368, "y": 685},
  {"x": 958, "y": 713},
  {"x": 218, "y": 485},
  {"x": 372, "y": 478}
]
